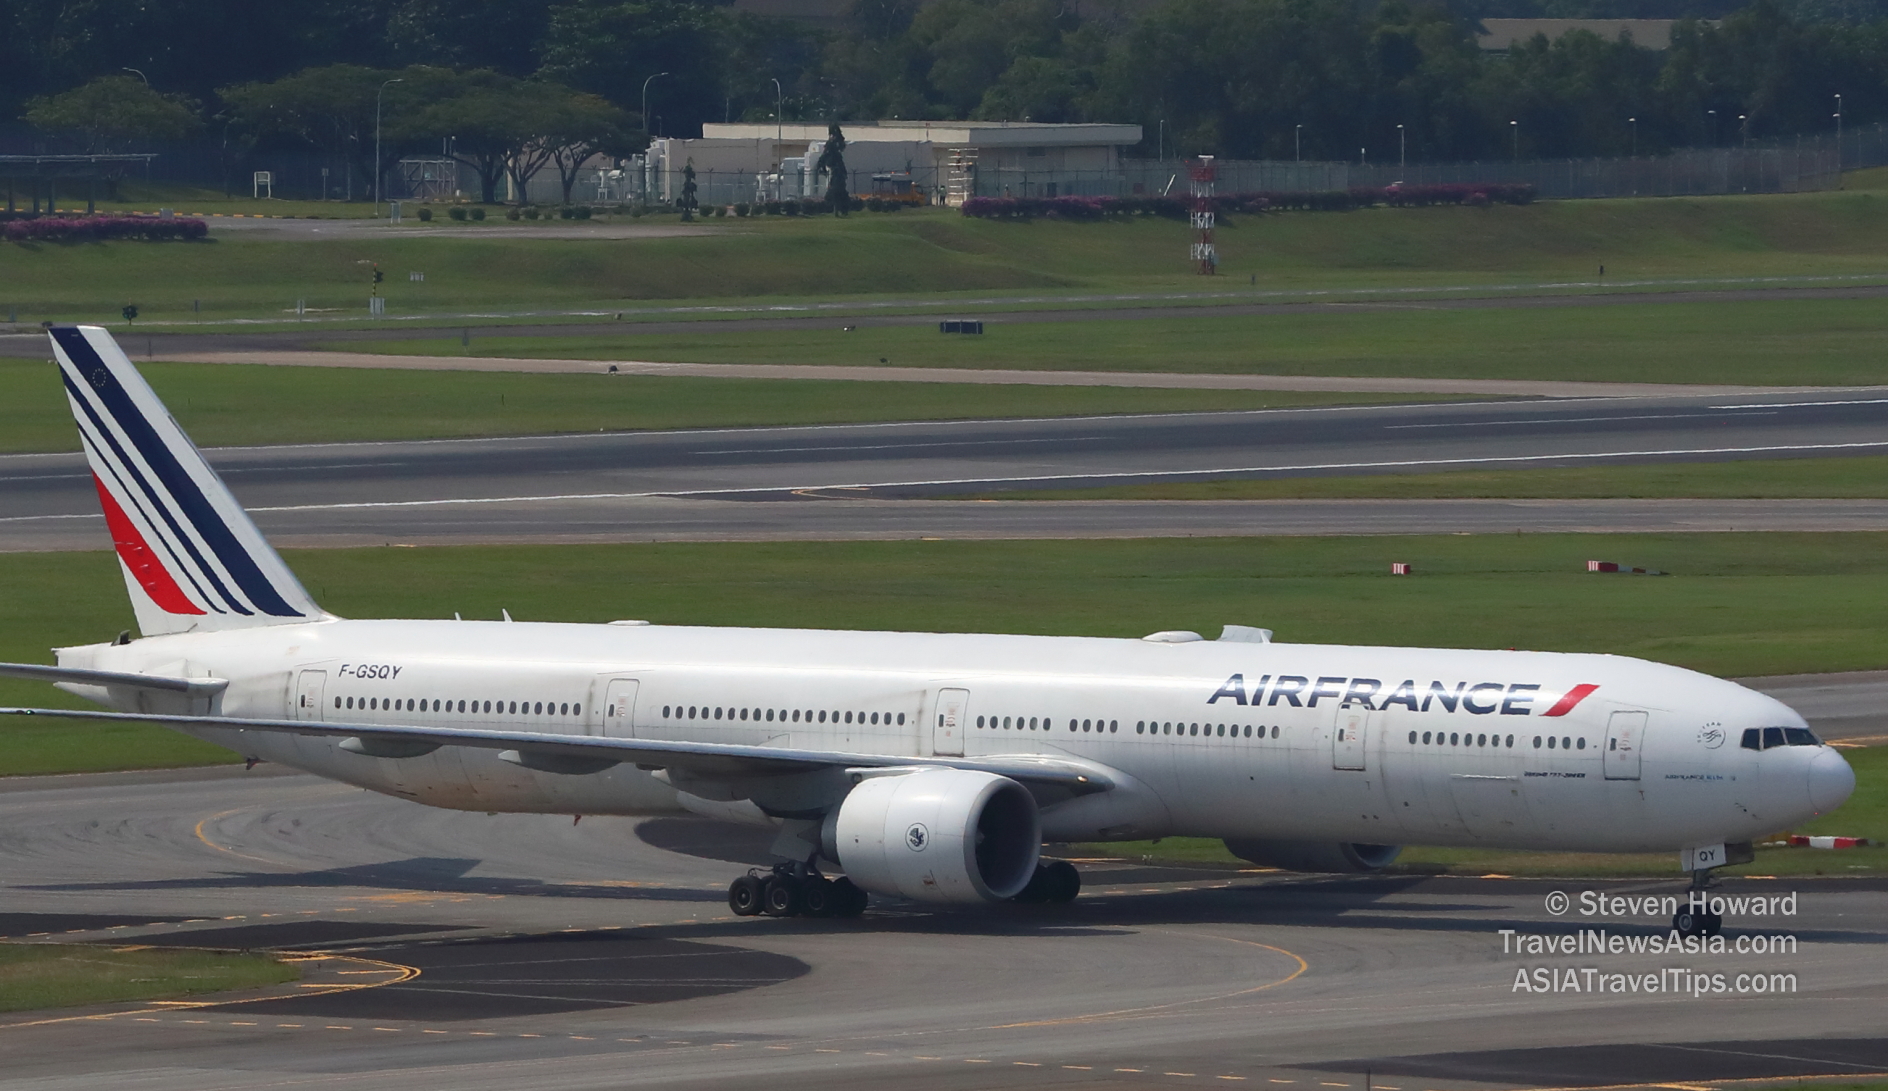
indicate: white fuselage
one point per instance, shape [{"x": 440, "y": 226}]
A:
[{"x": 1464, "y": 754}]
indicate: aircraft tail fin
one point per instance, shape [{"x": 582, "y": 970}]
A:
[{"x": 192, "y": 559}]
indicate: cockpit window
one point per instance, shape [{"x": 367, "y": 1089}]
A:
[{"x": 1763, "y": 738}]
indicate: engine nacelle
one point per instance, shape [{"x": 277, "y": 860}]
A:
[
  {"x": 1341, "y": 857},
  {"x": 938, "y": 835}
]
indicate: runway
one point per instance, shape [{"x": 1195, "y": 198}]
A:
[
  {"x": 577, "y": 487},
  {"x": 496, "y": 952}
]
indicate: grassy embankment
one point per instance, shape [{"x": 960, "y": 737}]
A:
[
  {"x": 34, "y": 976},
  {"x": 240, "y": 274},
  {"x": 225, "y": 404},
  {"x": 1738, "y": 605},
  {"x": 1761, "y": 343}
]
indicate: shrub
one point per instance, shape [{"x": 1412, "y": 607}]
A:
[
  {"x": 458, "y": 214},
  {"x": 1097, "y": 208},
  {"x": 478, "y": 212},
  {"x": 582, "y": 212},
  {"x": 721, "y": 211},
  {"x": 636, "y": 213},
  {"x": 514, "y": 214},
  {"x": 742, "y": 208},
  {"x": 426, "y": 215},
  {"x": 100, "y": 228}
]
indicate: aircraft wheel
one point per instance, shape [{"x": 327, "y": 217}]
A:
[
  {"x": 1711, "y": 925},
  {"x": 1061, "y": 882},
  {"x": 744, "y": 896},
  {"x": 1686, "y": 923},
  {"x": 818, "y": 898},
  {"x": 780, "y": 898},
  {"x": 848, "y": 899}
]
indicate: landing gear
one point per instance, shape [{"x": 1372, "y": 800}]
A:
[
  {"x": 791, "y": 890},
  {"x": 1694, "y": 917},
  {"x": 1056, "y": 881}
]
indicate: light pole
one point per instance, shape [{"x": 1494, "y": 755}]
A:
[
  {"x": 1160, "y": 142},
  {"x": 780, "y": 118},
  {"x": 377, "y": 97},
  {"x": 1297, "y": 144},
  {"x": 1838, "y": 138},
  {"x": 1743, "y": 125},
  {"x": 1714, "y": 127},
  {"x": 645, "y": 99},
  {"x": 1635, "y": 136},
  {"x": 1515, "y": 128},
  {"x": 147, "y": 79},
  {"x": 1402, "y": 148}
]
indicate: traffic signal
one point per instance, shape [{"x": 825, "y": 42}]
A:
[{"x": 378, "y": 275}]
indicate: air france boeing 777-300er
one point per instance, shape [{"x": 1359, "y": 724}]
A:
[{"x": 924, "y": 766}]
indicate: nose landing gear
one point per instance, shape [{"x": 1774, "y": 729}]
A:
[
  {"x": 1694, "y": 917},
  {"x": 791, "y": 890}
]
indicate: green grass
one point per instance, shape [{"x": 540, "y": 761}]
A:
[
  {"x": 1864, "y": 815},
  {"x": 1827, "y": 342},
  {"x": 1821, "y": 478},
  {"x": 35, "y": 976},
  {"x": 938, "y": 251},
  {"x": 1737, "y": 604},
  {"x": 224, "y": 404}
]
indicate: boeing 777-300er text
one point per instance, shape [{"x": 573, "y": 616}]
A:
[{"x": 925, "y": 766}]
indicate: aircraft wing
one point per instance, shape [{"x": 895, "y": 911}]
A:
[
  {"x": 590, "y": 753},
  {"x": 195, "y": 687}
]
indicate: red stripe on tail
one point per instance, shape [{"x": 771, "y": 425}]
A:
[
  {"x": 1572, "y": 697},
  {"x": 139, "y": 558}
]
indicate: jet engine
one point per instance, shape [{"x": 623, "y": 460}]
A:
[
  {"x": 1343, "y": 857},
  {"x": 937, "y": 835}
]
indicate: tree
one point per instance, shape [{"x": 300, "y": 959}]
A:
[
  {"x": 687, "y": 203},
  {"x": 586, "y": 125},
  {"x": 497, "y": 123},
  {"x": 114, "y": 114},
  {"x": 832, "y": 160},
  {"x": 331, "y": 107},
  {"x": 610, "y": 49}
]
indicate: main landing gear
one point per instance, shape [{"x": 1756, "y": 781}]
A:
[
  {"x": 1056, "y": 881},
  {"x": 794, "y": 890},
  {"x": 1694, "y": 917}
]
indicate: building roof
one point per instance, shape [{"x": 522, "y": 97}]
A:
[
  {"x": 969, "y": 133},
  {"x": 1502, "y": 34}
]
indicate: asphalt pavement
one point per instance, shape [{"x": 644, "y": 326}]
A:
[{"x": 444, "y": 949}]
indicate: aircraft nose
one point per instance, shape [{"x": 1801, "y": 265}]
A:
[{"x": 1830, "y": 781}]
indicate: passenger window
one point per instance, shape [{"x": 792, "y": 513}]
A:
[
  {"x": 1425, "y": 736},
  {"x": 1550, "y": 742},
  {"x": 1195, "y": 731},
  {"x": 337, "y": 702},
  {"x": 1412, "y": 738},
  {"x": 1772, "y": 736},
  {"x": 822, "y": 717},
  {"x": 1481, "y": 740},
  {"x": 1510, "y": 742},
  {"x": 1275, "y": 731},
  {"x": 1114, "y": 726},
  {"x": 1537, "y": 742},
  {"x": 1581, "y": 745},
  {"x": 901, "y": 719},
  {"x": 1565, "y": 742},
  {"x": 1454, "y": 739}
]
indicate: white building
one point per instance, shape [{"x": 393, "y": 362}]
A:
[{"x": 944, "y": 160}]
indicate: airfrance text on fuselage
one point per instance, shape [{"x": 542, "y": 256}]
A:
[{"x": 1480, "y": 698}]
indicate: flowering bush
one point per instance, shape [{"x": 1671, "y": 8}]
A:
[
  {"x": 99, "y": 228},
  {"x": 1176, "y": 207}
]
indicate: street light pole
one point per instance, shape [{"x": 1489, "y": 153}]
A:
[
  {"x": 1635, "y": 136},
  {"x": 1297, "y": 144},
  {"x": 1515, "y": 128},
  {"x": 780, "y": 122},
  {"x": 645, "y": 99},
  {"x": 1402, "y": 148},
  {"x": 147, "y": 79},
  {"x": 377, "y": 97},
  {"x": 1838, "y": 138},
  {"x": 1743, "y": 124}
]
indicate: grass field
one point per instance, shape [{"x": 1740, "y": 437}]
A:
[
  {"x": 34, "y": 975},
  {"x": 1737, "y": 604},
  {"x": 238, "y": 274},
  {"x": 1744, "y": 342},
  {"x": 224, "y": 404},
  {"x": 1819, "y": 478},
  {"x": 1864, "y": 815}
]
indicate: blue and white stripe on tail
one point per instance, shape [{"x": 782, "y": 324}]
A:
[{"x": 192, "y": 558}]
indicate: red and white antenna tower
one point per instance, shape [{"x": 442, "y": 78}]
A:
[{"x": 1202, "y": 172}]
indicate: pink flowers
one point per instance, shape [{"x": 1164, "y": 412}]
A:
[{"x": 99, "y": 228}]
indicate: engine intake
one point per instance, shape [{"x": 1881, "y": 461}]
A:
[
  {"x": 938, "y": 835},
  {"x": 1339, "y": 857}
]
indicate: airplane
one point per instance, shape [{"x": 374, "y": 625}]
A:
[{"x": 924, "y": 766}]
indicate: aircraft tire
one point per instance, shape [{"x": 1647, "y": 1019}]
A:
[
  {"x": 1686, "y": 923},
  {"x": 818, "y": 898},
  {"x": 1061, "y": 882},
  {"x": 848, "y": 899},
  {"x": 780, "y": 897},
  {"x": 744, "y": 896}
]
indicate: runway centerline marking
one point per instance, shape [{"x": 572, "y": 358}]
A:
[{"x": 1570, "y": 420}]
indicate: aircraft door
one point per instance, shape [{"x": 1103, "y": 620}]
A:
[
  {"x": 1625, "y": 735},
  {"x": 947, "y": 723},
  {"x": 1349, "y": 737},
  {"x": 310, "y": 691},
  {"x": 619, "y": 709}
]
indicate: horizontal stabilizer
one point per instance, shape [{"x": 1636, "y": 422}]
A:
[{"x": 195, "y": 687}]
